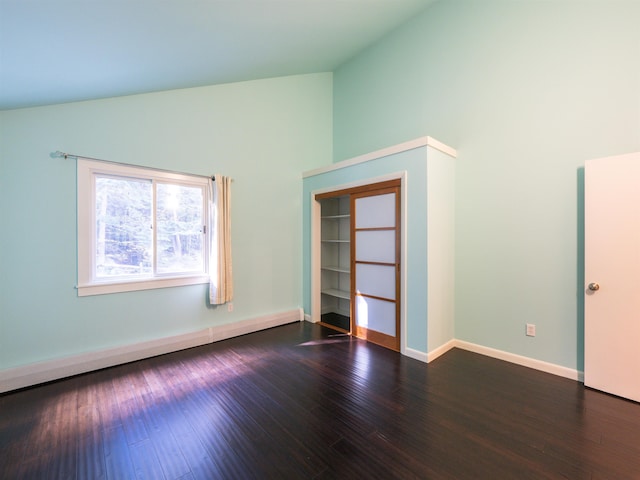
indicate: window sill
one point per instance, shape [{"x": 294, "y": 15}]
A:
[{"x": 133, "y": 286}]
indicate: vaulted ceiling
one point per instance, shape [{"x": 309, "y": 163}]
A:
[{"x": 56, "y": 51}]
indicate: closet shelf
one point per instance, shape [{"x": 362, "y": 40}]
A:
[
  {"x": 333, "y": 217},
  {"x": 336, "y": 241},
  {"x": 335, "y": 268},
  {"x": 337, "y": 293}
]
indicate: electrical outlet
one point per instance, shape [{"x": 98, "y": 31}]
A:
[
  {"x": 229, "y": 307},
  {"x": 531, "y": 330}
]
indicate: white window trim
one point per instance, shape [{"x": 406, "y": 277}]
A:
[{"x": 87, "y": 284}]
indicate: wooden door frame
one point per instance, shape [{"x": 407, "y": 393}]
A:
[
  {"x": 315, "y": 224},
  {"x": 391, "y": 187}
]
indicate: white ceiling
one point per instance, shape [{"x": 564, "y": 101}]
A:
[{"x": 56, "y": 51}]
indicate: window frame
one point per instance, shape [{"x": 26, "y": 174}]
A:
[{"x": 88, "y": 283}]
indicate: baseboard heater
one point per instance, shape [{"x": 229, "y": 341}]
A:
[{"x": 41, "y": 372}]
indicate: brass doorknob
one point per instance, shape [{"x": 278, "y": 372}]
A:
[{"x": 594, "y": 287}]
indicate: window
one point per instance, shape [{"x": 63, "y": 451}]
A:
[{"x": 139, "y": 228}]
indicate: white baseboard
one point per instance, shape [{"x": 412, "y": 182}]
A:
[
  {"x": 28, "y": 375},
  {"x": 251, "y": 325},
  {"x": 441, "y": 350},
  {"x": 500, "y": 355},
  {"x": 416, "y": 354},
  {"x": 521, "y": 360}
]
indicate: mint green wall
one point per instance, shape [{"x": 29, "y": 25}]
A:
[
  {"x": 526, "y": 92},
  {"x": 261, "y": 133}
]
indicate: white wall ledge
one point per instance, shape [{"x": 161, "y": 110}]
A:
[{"x": 385, "y": 152}]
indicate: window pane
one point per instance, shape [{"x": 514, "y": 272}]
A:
[
  {"x": 179, "y": 235},
  {"x": 123, "y": 227}
]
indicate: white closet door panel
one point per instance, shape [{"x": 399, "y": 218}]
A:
[
  {"x": 377, "y": 315},
  {"x": 376, "y": 280},
  {"x": 376, "y": 246},
  {"x": 376, "y": 211}
]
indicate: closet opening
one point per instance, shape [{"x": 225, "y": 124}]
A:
[
  {"x": 360, "y": 261},
  {"x": 335, "y": 267}
]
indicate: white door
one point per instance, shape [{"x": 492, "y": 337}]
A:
[{"x": 612, "y": 275}]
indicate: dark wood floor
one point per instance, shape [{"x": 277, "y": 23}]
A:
[{"x": 301, "y": 401}]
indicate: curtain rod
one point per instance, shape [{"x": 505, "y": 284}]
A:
[{"x": 65, "y": 155}]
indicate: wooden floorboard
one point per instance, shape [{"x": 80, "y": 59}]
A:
[{"x": 304, "y": 401}]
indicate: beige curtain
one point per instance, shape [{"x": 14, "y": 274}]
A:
[{"x": 220, "y": 271}]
